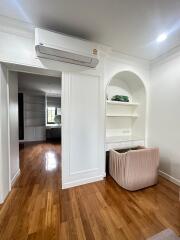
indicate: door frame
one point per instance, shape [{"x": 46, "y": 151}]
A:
[{"x": 28, "y": 70}]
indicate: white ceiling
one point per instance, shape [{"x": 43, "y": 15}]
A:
[
  {"x": 39, "y": 84},
  {"x": 130, "y": 26}
]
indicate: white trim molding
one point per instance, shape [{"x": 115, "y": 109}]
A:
[
  {"x": 73, "y": 177},
  {"x": 170, "y": 178},
  {"x": 15, "y": 177},
  {"x": 83, "y": 181},
  {"x": 4, "y": 134}
]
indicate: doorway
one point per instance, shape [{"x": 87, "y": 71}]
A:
[{"x": 34, "y": 121}]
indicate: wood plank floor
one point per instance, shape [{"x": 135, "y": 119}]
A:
[{"x": 37, "y": 209}]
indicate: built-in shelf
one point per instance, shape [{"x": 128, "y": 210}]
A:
[
  {"x": 115, "y": 139},
  {"x": 125, "y": 121},
  {"x": 122, "y": 115},
  {"x": 122, "y": 103}
]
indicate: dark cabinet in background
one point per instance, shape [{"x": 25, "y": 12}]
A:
[
  {"x": 21, "y": 115},
  {"x": 53, "y": 133}
]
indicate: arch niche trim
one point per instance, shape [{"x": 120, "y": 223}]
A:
[{"x": 125, "y": 121}]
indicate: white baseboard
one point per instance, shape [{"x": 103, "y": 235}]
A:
[
  {"x": 15, "y": 177},
  {"x": 170, "y": 178},
  {"x": 2, "y": 199},
  {"x": 83, "y": 181}
]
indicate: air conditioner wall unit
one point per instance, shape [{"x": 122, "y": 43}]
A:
[{"x": 60, "y": 47}]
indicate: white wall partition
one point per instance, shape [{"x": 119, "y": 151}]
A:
[
  {"x": 13, "y": 125},
  {"x": 4, "y": 135},
  {"x": 82, "y": 129}
]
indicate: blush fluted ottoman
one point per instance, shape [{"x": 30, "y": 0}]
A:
[{"x": 135, "y": 169}]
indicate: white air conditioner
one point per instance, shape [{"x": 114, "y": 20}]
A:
[{"x": 60, "y": 47}]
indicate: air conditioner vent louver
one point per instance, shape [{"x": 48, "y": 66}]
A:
[{"x": 63, "y": 48}]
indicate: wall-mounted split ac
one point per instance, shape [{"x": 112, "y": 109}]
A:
[{"x": 63, "y": 48}]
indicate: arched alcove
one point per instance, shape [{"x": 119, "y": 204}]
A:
[{"x": 125, "y": 121}]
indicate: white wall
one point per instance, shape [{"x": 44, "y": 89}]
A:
[
  {"x": 164, "y": 115},
  {"x": 4, "y": 135},
  {"x": 13, "y": 124},
  {"x": 17, "y": 50}
]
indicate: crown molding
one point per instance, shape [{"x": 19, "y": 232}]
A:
[
  {"x": 117, "y": 56},
  {"x": 16, "y": 27},
  {"x": 166, "y": 57}
]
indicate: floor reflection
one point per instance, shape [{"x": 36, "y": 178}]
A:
[{"x": 51, "y": 162}]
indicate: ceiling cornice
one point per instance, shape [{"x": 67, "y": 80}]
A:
[
  {"x": 168, "y": 56},
  {"x": 127, "y": 59},
  {"x": 13, "y": 26}
]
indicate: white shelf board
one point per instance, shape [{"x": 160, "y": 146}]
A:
[
  {"x": 122, "y": 115},
  {"x": 114, "y": 139},
  {"x": 122, "y": 103}
]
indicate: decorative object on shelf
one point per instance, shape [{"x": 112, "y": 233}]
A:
[
  {"x": 57, "y": 119},
  {"x": 120, "y": 98}
]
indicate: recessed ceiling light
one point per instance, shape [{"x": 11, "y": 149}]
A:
[{"x": 162, "y": 37}]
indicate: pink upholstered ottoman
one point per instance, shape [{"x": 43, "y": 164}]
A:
[{"x": 135, "y": 169}]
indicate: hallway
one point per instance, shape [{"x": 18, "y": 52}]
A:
[
  {"x": 37, "y": 209},
  {"x": 32, "y": 210}
]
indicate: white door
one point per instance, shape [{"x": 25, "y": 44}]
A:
[{"x": 82, "y": 146}]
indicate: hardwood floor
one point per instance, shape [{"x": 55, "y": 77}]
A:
[
  {"x": 37, "y": 209},
  {"x": 32, "y": 210}
]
